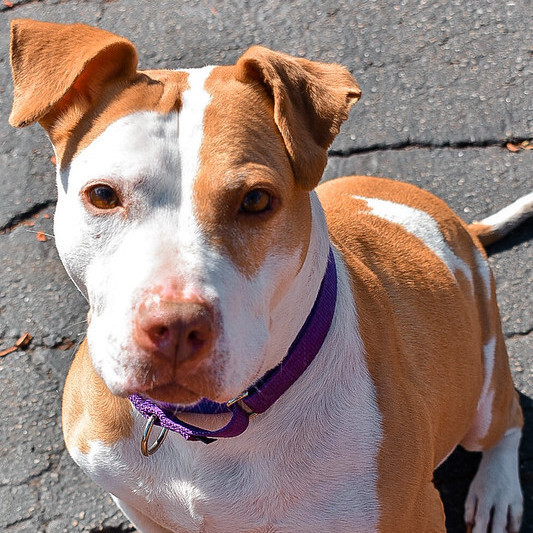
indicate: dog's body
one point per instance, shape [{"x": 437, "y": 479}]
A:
[{"x": 186, "y": 198}]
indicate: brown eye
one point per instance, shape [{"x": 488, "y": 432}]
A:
[
  {"x": 256, "y": 201},
  {"x": 103, "y": 197}
]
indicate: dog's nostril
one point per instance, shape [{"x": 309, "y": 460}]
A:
[
  {"x": 196, "y": 338},
  {"x": 161, "y": 333}
]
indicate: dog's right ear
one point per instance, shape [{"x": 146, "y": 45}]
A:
[{"x": 58, "y": 66}]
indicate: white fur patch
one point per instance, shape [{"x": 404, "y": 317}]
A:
[
  {"x": 422, "y": 226},
  {"x": 190, "y": 135},
  {"x": 484, "y": 408},
  {"x": 483, "y": 269},
  {"x": 483, "y": 418}
]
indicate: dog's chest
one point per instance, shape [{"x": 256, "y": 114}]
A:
[
  {"x": 176, "y": 487},
  {"x": 202, "y": 489}
]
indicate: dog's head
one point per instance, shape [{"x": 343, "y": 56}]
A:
[{"x": 184, "y": 212}]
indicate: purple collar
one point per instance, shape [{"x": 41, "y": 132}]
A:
[{"x": 264, "y": 392}]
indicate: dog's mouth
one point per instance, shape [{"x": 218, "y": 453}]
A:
[
  {"x": 171, "y": 393},
  {"x": 183, "y": 384}
]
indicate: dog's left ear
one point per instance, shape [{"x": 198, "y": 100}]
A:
[{"x": 311, "y": 101}]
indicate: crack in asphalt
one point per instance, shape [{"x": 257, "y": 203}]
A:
[
  {"x": 123, "y": 528},
  {"x": 421, "y": 145},
  {"x": 514, "y": 334},
  {"x": 53, "y": 459},
  {"x": 11, "y": 525},
  {"x": 20, "y": 218}
]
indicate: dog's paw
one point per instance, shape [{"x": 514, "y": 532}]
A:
[
  {"x": 494, "y": 496},
  {"x": 494, "y": 507}
]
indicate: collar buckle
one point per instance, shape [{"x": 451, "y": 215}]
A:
[
  {"x": 238, "y": 398},
  {"x": 244, "y": 406}
]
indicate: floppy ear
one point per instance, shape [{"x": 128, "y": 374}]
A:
[
  {"x": 311, "y": 101},
  {"x": 56, "y": 66}
]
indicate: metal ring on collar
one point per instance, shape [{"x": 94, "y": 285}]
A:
[{"x": 149, "y": 450}]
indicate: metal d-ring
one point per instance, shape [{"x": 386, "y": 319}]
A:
[{"x": 149, "y": 450}]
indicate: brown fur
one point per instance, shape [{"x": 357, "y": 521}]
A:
[
  {"x": 49, "y": 78},
  {"x": 487, "y": 235},
  {"x": 242, "y": 150},
  {"x": 90, "y": 411},
  {"x": 311, "y": 101}
]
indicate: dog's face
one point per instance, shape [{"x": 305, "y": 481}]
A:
[
  {"x": 184, "y": 230},
  {"x": 183, "y": 212}
]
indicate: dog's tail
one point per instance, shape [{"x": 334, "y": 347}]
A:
[{"x": 493, "y": 228}]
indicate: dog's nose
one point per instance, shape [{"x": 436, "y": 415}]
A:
[{"x": 174, "y": 330}]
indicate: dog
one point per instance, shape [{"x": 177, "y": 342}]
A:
[{"x": 262, "y": 354}]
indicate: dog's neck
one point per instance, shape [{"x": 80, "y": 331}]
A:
[{"x": 291, "y": 312}]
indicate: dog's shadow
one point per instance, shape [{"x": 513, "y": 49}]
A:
[{"x": 454, "y": 476}]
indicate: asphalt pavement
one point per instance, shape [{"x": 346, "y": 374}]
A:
[{"x": 446, "y": 105}]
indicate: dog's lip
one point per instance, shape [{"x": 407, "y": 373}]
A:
[
  {"x": 159, "y": 383},
  {"x": 170, "y": 392}
]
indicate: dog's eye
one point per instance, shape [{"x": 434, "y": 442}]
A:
[
  {"x": 103, "y": 197},
  {"x": 256, "y": 201}
]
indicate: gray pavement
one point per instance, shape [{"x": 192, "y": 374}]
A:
[{"x": 446, "y": 85}]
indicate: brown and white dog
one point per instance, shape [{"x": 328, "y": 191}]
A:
[{"x": 187, "y": 217}]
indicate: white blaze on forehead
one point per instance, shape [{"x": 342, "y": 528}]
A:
[
  {"x": 190, "y": 135},
  {"x": 422, "y": 226}
]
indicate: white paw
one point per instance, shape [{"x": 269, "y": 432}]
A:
[{"x": 494, "y": 496}]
